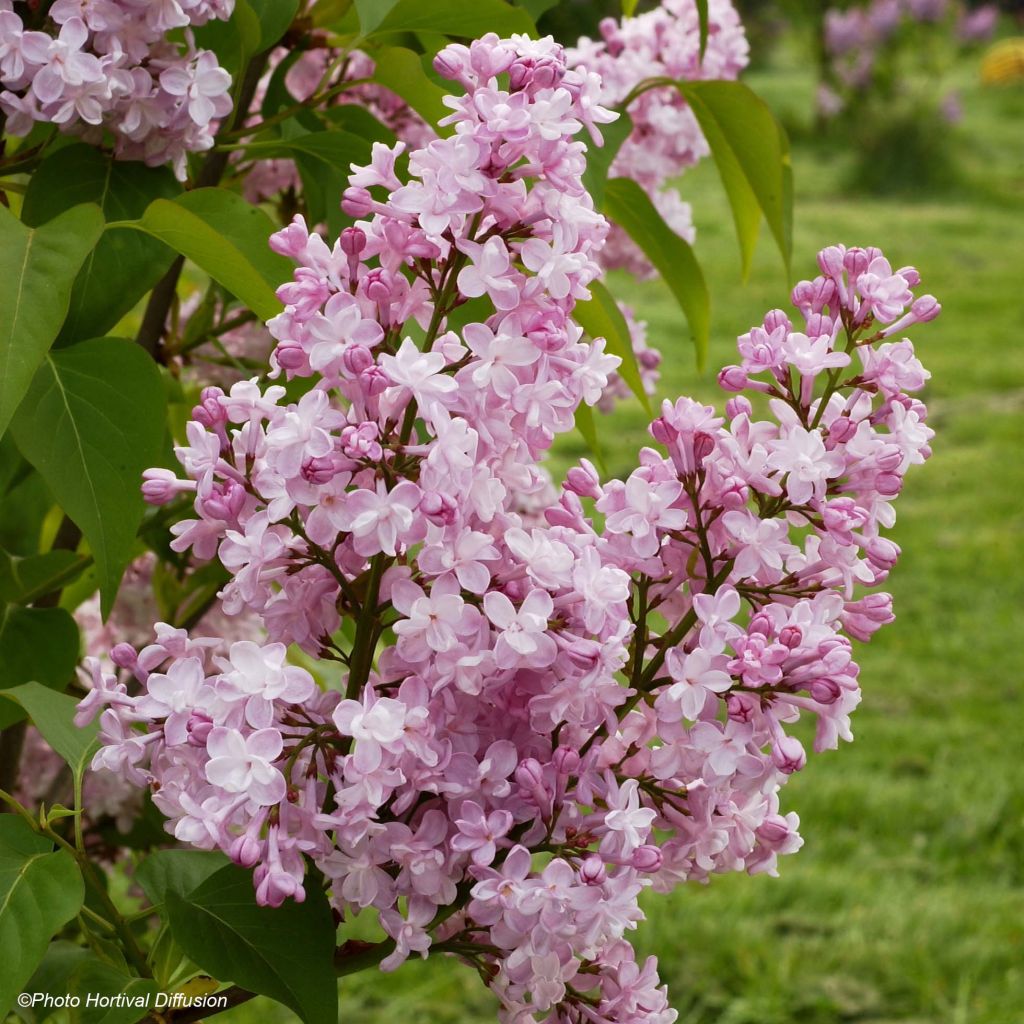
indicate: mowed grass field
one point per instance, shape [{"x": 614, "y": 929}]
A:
[{"x": 907, "y": 902}]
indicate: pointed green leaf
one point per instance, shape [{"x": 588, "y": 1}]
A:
[
  {"x": 372, "y": 13},
  {"x": 752, "y": 154},
  {"x": 225, "y": 236},
  {"x": 40, "y": 891},
  {"x": 286, "y": 953},
  {"x": 601, "y": 317},
  {"x": 134, "y": 996},
  {"x": 601, "y": 158},
  {"x": 275, "y": 18},
  {"x": 37, "y": 270},
  {"x": 702, "y": 21},
  {"x": 24, "y": 580},
  {"x": 626, "y": 203},
  {"x": 53, "y": 714},
  {"x": 92, "y": 422},
  {"x": 465, "y": 19},
  {"x": 587, "y": 427},
  {"x": 402, "y": 71},
  {"x": 37, "y": 643},
  {"x": 178, "y": 871},
  {"x": 123, "y": 266}
]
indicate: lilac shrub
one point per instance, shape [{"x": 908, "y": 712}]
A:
[
  {"x": 517, "y": 725},
  {"x": 112, "y": 65}
]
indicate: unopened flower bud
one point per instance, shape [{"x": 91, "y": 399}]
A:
[
  {"x": 788, "y": 755},
  {"x": 791, "y": 637},
  {"x": 356, "y": 359},
  {"x": 530, "y": 774},
  {"x": 733, "y": 378},
  {"x": 647, "y": 858},
  {"x": 741, "y": 707},
  {"x": 439, "y": 508},
  {"x": 357, "y": 202},
  {"x": 825, "y": 691},
  {"x": 123, "y": 655},
  {"x": 592, "y": 871},
  {"x": 352, "y": 241},
  {"x": 290, "y": 357},
  {"x": 583, "y": 480},
  {"x": 566, "y": 760},
  {"x": 245, "y": 851}
]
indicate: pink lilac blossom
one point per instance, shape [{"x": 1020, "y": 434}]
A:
[
  {"x": 666, "y": 138},
  {"x": 111, "y": 65},
  {"x": 619, "y": 697}
]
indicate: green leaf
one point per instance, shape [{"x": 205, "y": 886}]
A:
[
  {"x": 372, "y": 13},
  {"x": 402, "y": 71},
  {"x": 233, "y": 41},
  {"x": 275, "y": 18},
  {"x": 626, "y": 203},
  {"x": 92, "y": 422},
  {"x": 24, "y": 580},
  {"x": 39, "y": 644},
  {"x": 37, "y": 270},
  {"x": 286, "y": 953},
  {"x": 339, "y": 149},
  {"x": 601, "y": 317},
  {"x": 40, "y": 891},
  {"x": 628, "y": 7},
  {"x": 465, "y": 19},
  {"x": 752, "y": 154},
  {"x": 177, "y": 871},
  {"x": 106, "y": 981},
  {"x": 588, "y": 428},
  {"x": 53, "y": 714},
  {"x": 601, "y": 158},
  {"x": 702, "y": 21},
  {"x": 225, "y": 236},
  {"x": 122, "y": 267}
]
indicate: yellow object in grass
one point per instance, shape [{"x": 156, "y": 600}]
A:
[{"x": 1004, "y": 62}]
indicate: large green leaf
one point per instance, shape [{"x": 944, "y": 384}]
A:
[
  {"x": 601, "y": 317},
  {"x": 233, "y": 41},
  {"x": 37, "y": 270},
  {"x": 24, "y": 580},
  {"x": 372, "y": 13},
  {"x": 752, "y": 154},
  {"x": 702, "y": 21},
  {"x": 40, "y": 891},
  {"x": 402, "y": 71},
  {"x": 124, "y": 265},
  {"x": 92, "y": 422},
  {"x": 37, "y": 643},
  {"x": 53, "y": 714},
  {"x": 177, "y": 871},
  {"x": 601, "y": 158},
  {"x": 225, "y": 236},
  {"x": 275, "y": 17},
  {"x": 131, "y": 997},
  {"x": 466, "y": 19},
  {"x": 626, "y": 203},
  {"x": 588, "y": 429},
  {"x": 286, "y": 953}
]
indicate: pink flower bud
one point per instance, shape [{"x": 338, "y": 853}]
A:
[
  {"x": 776, "y": 318},
  {"x": 738, "y": 405},
  {"x": 290, "y": 357},
  {"x": 245, "y": 851},
  {"x": 356, "y": 359},
  {"x": 888, "y": 485},
  {"x": 530, "y": 775},
  {"x": 198, "y": 727},
  {"x": 882, "y": 553},
  {"x": 825, "y": 691},
  {"x": 788, "y": 755},
  {"x": 841, "y": 430},
  {"x": 773, "y": 831},
  {"x": 583, "y": 480},
  {"x": 440, "y": 509},
  {"x": 830, "y": 260},
  {"x": 663, "y": 432},
  {"x": 357, "y": 202},
  {"x": 791, "y": 637},
  {"x": 123, "y": 655},
  {"x": 741, "y": 707},
  {"x": 592, "y": 871},
  {"x": 733, "y": 378},
  {"x": 925, "y": 308},
  {"x": 159, "y": 486},
  {"x": 352, "y": 241},
  {"x": 566, "y": 760},
  {"x": 647, "y": 858}
]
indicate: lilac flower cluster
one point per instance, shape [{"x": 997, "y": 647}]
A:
[
  {"x": 666, "y": 138},
  {"x": 522, "y": 726},
  {"x": 857, "y": 38},
  {"x": 111, "y": 65}
]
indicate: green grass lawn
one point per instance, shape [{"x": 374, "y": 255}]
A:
[{"x": 907, "y": 901}]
